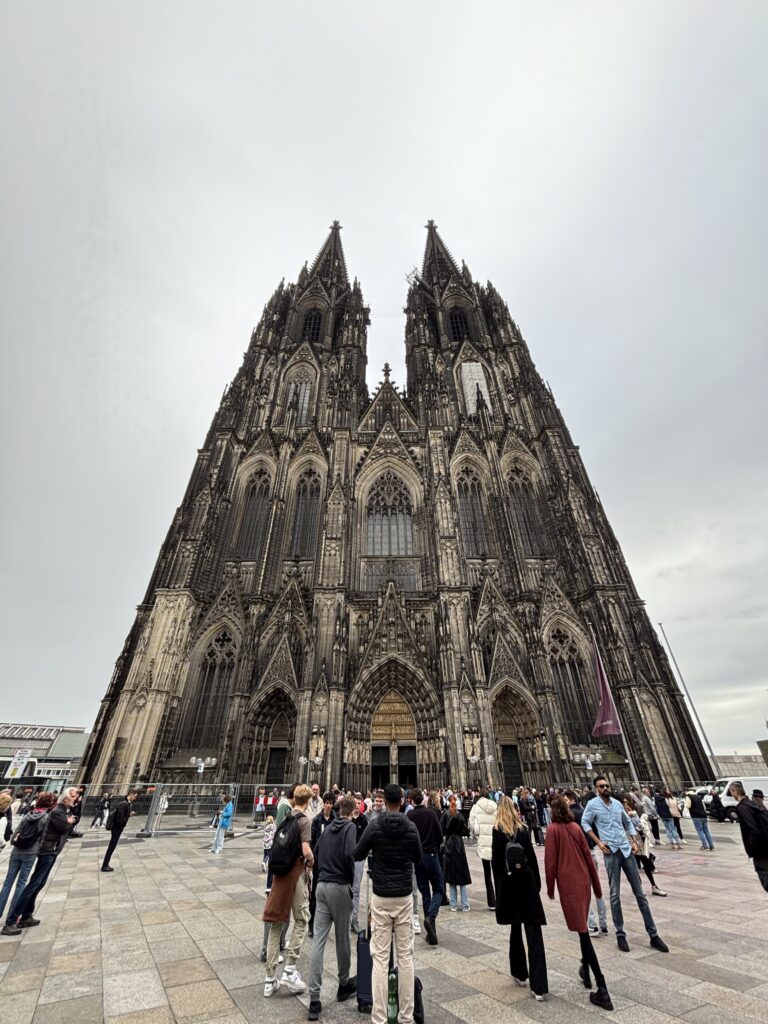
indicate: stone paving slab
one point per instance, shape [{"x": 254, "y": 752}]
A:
[{"x": 173, "y": 936}]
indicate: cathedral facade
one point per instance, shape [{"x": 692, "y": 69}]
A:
[{"x": 399, "y": 585}]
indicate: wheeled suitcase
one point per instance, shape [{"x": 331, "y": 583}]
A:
[{"x": 364, "y": 972}]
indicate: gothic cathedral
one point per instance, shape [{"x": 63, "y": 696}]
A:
[{"x": 400, "y": 585}]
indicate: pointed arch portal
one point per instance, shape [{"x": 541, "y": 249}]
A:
[
  {"x": 519, "y": 738},
  {"x": 270, "y": 737},
  {"x": 392, "y": 732}
]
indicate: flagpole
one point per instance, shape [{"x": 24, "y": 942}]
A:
[
  {"x": 630, "y": 760},
  {"x": 691, "y": 705}
]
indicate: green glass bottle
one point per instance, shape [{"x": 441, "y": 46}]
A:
[{"x": 392, "y": 1005}]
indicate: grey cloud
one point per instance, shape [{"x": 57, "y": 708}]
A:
[{"x": 163, "y": 168}]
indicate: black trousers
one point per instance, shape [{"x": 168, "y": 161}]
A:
[
  {"x": 655, "y": 829},
  {"x": 761, "y": 867},
  {"x": 536, "y": 965},
  {"x": 114, "y": 839},
  {"x": 488, "y": 875}
]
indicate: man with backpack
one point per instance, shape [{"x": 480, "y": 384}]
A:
[
  {"x": 25, "y": 842},
  {"x": 291, "y": 864},
  {"x": 53, "y": 838}
]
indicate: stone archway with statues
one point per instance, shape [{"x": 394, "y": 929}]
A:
[
  {"x": 521, "y": 748},
  {"x": 393, "y": 730},
  {"x": 269, "y": 739}
]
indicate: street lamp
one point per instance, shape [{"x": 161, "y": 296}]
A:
[{"x": 200, "y": 765}]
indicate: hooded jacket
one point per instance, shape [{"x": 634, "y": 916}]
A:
[
  {"x": 335, "y": 852},
  {"x": 481, "y": 819},
  {"x": 394, "y": 842}
]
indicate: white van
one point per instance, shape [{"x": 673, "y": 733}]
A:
[{"x": 749, "y": 782}]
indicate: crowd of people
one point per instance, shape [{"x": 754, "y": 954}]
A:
[
  {"x": 407, "y": 847},
  {"x": 413, "y": 846}
]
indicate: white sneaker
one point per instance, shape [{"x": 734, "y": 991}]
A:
[
  {"x": 684, "y": 842},
  {"x": 454, "y": 909},
  {"x": 271, "y": 985},
  {"x": 290, "y": 979},
  {"x": 416, "y": 925}
]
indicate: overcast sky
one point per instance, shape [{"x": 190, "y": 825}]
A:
[{"x": 162, "y": 166}]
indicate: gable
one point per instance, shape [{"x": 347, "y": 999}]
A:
[
  {"x": 303, "y": 354},
  {"x": 392, "y": 636},
  {"x": 388, "y": 403},
  {"x": 279, "y": 670},
  {"x": 388, "y": 444}
]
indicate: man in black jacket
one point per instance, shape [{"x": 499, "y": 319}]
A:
[
  {"x": 335, "y": 863},
  {"x": 393, "y": 841},
  {"x": 753, "y": 822},
  {"x": 429, "y": 871},
  {"x": 117, "y": 822}
]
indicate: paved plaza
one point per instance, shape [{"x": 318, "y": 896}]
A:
[{"x": 174, "y": 935}]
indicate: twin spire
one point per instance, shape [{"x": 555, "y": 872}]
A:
[{"x": 438, "y": 265}]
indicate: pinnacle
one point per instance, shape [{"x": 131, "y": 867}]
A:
[
  {"x": 329, "y": 264},
  {"x": 438, "y": 264}
]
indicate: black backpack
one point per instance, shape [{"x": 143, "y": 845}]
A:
[
  {"x": 31, "y": 827},
  {"x": 286, "y": 846},
  {"x": 515, "y": 858}
]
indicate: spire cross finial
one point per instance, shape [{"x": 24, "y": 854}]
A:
[
  {"x": 387, "y": 370},
  {"x": 430, "y": 224},
  {"x": 336, "y": 226}
]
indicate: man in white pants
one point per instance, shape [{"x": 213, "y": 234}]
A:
[{"x": 394, "y": 843}]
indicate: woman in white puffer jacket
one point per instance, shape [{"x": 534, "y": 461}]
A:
[{"x": 481, "y": 819}]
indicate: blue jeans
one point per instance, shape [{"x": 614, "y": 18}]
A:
[
  {"x": 601, "y": 911},
  {"x": 615, "y": 863},
  {"x": 19, "y": 867},
  {"x": 429, "y": 874},
  {"x": 702, "y": 827},
  {"x": 672, "y": 837},
  {"x": 464, "y": 895},
  {"x": 218, "y": 839},
  {"x": 24, "y": 903}
]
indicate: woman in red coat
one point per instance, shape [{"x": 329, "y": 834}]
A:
[{"x": 568, "y": 862}]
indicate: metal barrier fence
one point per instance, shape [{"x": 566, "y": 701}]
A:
[{"x": 164, "y": 806}]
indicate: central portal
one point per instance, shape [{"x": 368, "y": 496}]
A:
[{"x": 393, "y": 743}]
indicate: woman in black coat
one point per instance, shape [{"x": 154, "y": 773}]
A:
[
  {"x": 518, "y": 902},
  {"x": 455, "y": 866}
]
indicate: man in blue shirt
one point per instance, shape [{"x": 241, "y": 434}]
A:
[{"x": 607, "y": 823}]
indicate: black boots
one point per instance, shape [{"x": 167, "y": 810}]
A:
[
  {"x": 586, "y": 980},
  {"x": 601, "y": 999}
]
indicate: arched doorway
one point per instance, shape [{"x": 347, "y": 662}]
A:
[
  {"x": 269, "y": 739},
  {"x": 393, "y": 729},
  {"x": 393, "y": 743},
  {"x": 520, "y": 744}
]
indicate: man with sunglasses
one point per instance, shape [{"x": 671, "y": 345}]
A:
[{"x": 606, "y": 822}]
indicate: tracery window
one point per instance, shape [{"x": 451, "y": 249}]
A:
[
  {"x": 389, "y": 517},
  {"x": 300, "y": 394},
  {"x": 567, "y": 674},
  {"x": 472, "y": 515},
  {"x": 457, "y": 325},
  {"x": 472, "y": 378},
  {"x": 255, "y": 521},
  {"x": 526, "y": 514},
  {"x": 306, "y": 521},
  {"x": 205, "y": 723},
  {"x": 312, "y": 322}
]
